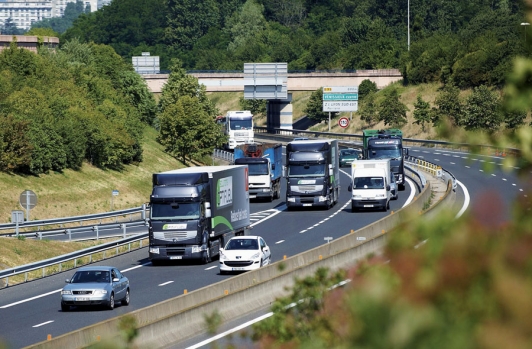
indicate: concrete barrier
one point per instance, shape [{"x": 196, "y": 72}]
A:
[{"x": 182, "y": 317}]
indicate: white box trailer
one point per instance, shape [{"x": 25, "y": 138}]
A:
[{"x": 370, "y": 184}]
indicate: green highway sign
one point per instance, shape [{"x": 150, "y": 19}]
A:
[{"x": 340, "y": 96}]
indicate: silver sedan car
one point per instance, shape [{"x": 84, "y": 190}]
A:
[{"x": 95, "y": 285}]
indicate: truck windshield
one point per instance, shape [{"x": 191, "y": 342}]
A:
[
  {"x": 384, "y": 153},
  {"x": 306, "y": 170},
  {"x": 246, "y": 124},
  {"x": 189, "y": 210},
  {"x": 258, "y": 169},
  {"x": 368, "y": 183}
]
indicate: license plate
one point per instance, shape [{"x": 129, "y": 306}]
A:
[
  {"x": 307, "y": 204},
  {"x": 82, "y": 299},
  {"x": 176, "y": 257},
  {"x": 368, "y": 205},
  {"x": 238, "y": 269}
]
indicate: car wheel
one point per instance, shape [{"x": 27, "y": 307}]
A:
[
  {"x": 65, "y": 307},
  {"x": 125, "y": 301},
  {"x": 111, "y": 304}
]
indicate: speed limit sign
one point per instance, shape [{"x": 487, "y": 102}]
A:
[{"x": 343, "y": 122}]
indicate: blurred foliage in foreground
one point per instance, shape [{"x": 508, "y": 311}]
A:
[{"x": 469, "y": 286}]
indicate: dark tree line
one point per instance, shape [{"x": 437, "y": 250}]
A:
[{"x": 58, "y": 109}]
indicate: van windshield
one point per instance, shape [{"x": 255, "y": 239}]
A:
[{"x": 368, "y": 183}]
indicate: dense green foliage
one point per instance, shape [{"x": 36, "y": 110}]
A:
[
  {"x": 58, "y": 109},
  {"x": 471, "y": 43},
  {"x": 186, "y": 119}
]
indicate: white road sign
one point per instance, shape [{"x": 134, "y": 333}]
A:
[
  {"x": 340, "y": 89},
  {"x": 340, "y": 105}
]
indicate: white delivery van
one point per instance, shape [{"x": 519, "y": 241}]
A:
[{"x": 370, "y": 184}]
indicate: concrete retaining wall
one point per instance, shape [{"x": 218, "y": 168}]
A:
[{"x": 182, "y": 317}]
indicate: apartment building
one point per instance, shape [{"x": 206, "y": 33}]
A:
[{"x": 24, "y": 12}]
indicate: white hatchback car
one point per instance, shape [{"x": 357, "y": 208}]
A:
[{"x": 242, "y": 253}]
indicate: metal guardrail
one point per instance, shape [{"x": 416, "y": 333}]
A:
[
  {"x": 96, "y": 229},
  {"x": 91, "y": 217},
  {"x": 223, "y": 155},
  {"x": 74, "y": 256},
  {"x": 406, "y": 141}
]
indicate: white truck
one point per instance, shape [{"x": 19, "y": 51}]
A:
[
  {"x": 238, "y": 126},
  {"x": 370, "y": 184}
]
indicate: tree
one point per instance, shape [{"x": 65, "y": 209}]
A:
[
  {"x": 189, "y": 20},
  {"x": 449, "y": 106},
  {"x": 246, "y": 25},
  {"x": 187, "y": 131},
  {"x": 368, "y": 109},
  {"x": 186, "y": 118},
  {"x": 366, "y": 87},
  {"x": 314, "y": 108},
  {"x": 422, "y": 112},
  {"x": 256, "y": 106},
  {"x": 482, "y": 110},
  {"x": 392, "y": 110},
  {"x": 10, "y": 28}
]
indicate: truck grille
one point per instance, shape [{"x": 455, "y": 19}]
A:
[
  {"x": 179, "y": 251},
  {"x": 174, "y": 235}
]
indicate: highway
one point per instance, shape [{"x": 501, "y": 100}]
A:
[{"x": 30, "y": 312}]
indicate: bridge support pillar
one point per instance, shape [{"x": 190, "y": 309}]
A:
[{"x": 279, "y": 114}]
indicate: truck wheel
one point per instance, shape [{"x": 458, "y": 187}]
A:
[{"x": 278, "y": 192}]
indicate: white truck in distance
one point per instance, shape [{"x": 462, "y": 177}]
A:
[
  {"x": 370, "y": 184},
  {"x": 238, "y": 126}
]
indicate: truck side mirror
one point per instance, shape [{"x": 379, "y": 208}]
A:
[
  {"x": 330, "y": 167},
  {"x": 405, "y": 151},
  {"x": 350, "y": 187},
  {"x": 273, "y": 167},
  {"x": 284, "y": 171},
  {"x": 388, "y": 187}
]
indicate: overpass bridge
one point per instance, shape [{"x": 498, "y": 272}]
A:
[{"x": 234, "y": 82}]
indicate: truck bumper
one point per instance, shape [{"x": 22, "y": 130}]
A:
[
  {"x": 306, "y": 201},
  {"x": 260, "y": 193},
  {"x": 368, "y": 204},
  {"x": 175, "y": 253}
]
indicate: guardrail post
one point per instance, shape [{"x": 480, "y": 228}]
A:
[
  {"x": 40, "y": 235},
  {"x": 95, "y": 228},
  {"x": 143, "y": 215},
  {"x": 69, "y": 232},
  {"x": 124, "y": 229}
]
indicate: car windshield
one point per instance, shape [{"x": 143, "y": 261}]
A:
[
  {"x": 306, "y": 170},
  {"x": 85, "y": 276},
  {"x": 242, "y": 244},
  {"x": 348, "y": 153},
  {"x": 189, "y": 210}
]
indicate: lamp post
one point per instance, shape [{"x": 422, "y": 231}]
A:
[
  {"x": 408, "y": 21},
  {"x": 525, "y": 24}
]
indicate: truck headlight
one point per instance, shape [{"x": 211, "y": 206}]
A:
[
  {"x": 196, "y": 249},
  {"x": 379, "y": 195},
  {"x": 357, "y": 197},
  {"x": 154, "y": 250},
  {"x": 291, "y": 200}
]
